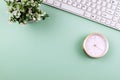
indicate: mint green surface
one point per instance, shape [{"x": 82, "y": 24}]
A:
[{"x": 52, "y": 49}]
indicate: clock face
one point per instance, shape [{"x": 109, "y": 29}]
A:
[{"x": 96, "y": 45}]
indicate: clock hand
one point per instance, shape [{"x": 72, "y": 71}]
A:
[
  {"x": 94, "y": 39},
  {"x": 98, "y": 47}
]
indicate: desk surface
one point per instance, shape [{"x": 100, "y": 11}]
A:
[{"x": 52, "y": 49}]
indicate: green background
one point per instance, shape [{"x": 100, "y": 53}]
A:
[{"x": 52, "y": 49}]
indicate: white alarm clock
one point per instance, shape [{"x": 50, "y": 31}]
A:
[{"x": 96, "y": 45}]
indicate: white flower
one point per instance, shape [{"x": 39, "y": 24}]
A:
[
  {"x": 23, "y": 0},
  {"x": 43, "y": 14},
  {"x": 30, "y": 11},
  {"x": 11, "y": 0},
  {"x": 18, "y": 14},
  {"x": 39, "y": 18},
  {"x": 14, "y": 13},
  {"x": 25, "y": 21},
  {"x": 32, "y": 1},
  {"x": 34, "y": 18},
  {"x": 33, "y": 4}
]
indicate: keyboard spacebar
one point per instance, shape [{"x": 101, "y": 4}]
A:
[{"x": 72, "y": 9}]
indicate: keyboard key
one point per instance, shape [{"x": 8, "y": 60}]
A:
[
  {"x": 94, "y": 1},
  {"x": 89, "y": 9},
  {"x": 117, "y": 14},
  {"x": 103, "y": 20},
  {"x": 103, "y": 8},
  {"x": 113, "y": 24},
  {"x": 50, "y": 1},
  {"x": 108, "y": 21},
  {"x": 109, "y": 11},
  {"x": 60, "y": 0},
  {"x": 115, "y": 19},
  {"x": 93, "y": 5},
  {"x": 84, "y": 7},
  {"x": 78, "y": 1},
  {"x": 98, "y": 18},
  {"x": 99, "y": 2},
  {"x": 69, "y": 2},
  {"x": 84, "y": 1},
  {"x": 87, "y": 14},
  {"x": 88, "y": 3},
  {"x": 113, "y": 7},
  {"x": 118, "y": 26},
  {"x": 74, "y": 4},
  {"x": 65, "y": 1},
  {"x": 93, "y": 16},
  {"x": 118, "y": 9},
  {"x": 104, "y": 3},
  {"x": 57, "y": 3},
  {"x": 106, "y": 15},
  {"x": 107, "y": 0},
  {"x": 98, "y": 7},
  {"x": 99, "y": 13},
  {"x": 114, "y": 2},
  {"x": 109, "y": 5},
  {"x": 79, "y": 6},
  {"x": 94, "y": 11},
  {"x": 73, "y": 9}
]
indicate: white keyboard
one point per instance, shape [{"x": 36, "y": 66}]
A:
[{"x": 106, "y": 12}]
